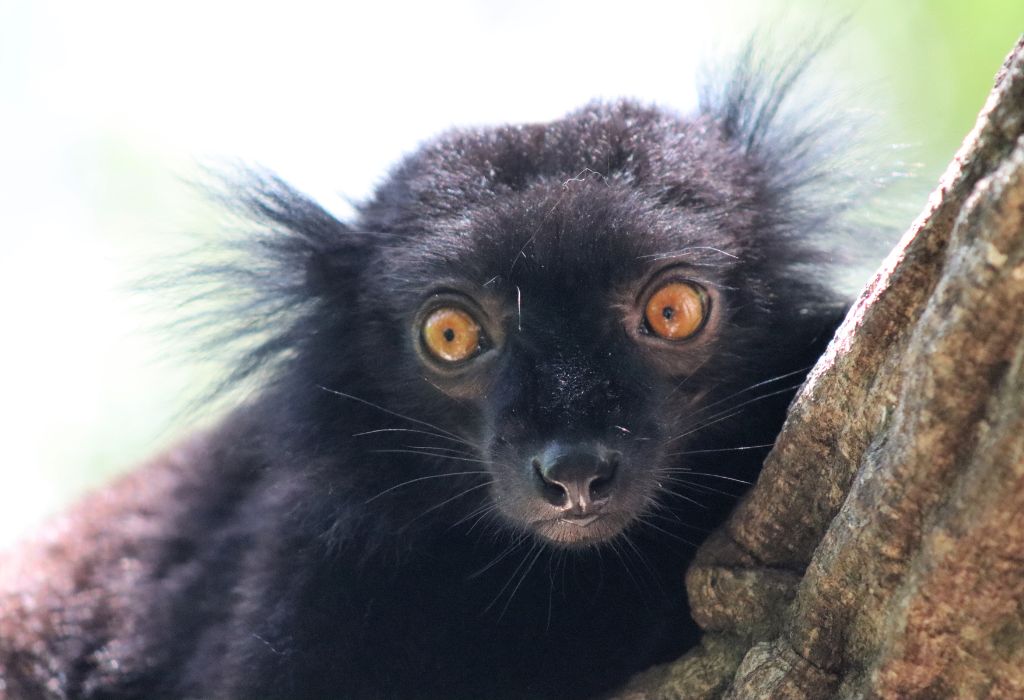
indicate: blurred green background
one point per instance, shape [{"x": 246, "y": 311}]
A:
[{"x": 108, "y": 107}]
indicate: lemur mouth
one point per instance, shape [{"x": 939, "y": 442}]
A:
[
  {"x": 584, "y": 521},
  {"x": 571, "y": 531}
]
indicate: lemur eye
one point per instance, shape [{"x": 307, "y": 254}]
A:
[
  {"x": 451, "y": 334},
  {"x": 676, "y": 310}
]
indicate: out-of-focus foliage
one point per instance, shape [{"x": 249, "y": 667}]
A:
[{"x": 939, "y": 57}]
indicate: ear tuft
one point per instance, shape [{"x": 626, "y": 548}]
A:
[
  {"x": 255, "y": 298},
  {"x": 808, "y": 154}
]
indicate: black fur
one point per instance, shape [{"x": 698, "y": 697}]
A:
[{"x": 364, "y": 526}]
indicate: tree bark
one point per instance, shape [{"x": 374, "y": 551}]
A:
[{"x": 881, "y": 552}]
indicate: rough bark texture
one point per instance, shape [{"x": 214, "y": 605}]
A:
[{"x": 881, "y": 553}]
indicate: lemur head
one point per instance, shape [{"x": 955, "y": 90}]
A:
[{"x": 573, "y": 303}]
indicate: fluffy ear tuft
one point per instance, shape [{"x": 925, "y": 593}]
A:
[
  {"x": 257, "y": 296},
  {"x": 294, "y": 237},
  {"x": 809, "y": 155},
  {"x": 746, "y": 101},
  {"x": 793, "y": 142}
]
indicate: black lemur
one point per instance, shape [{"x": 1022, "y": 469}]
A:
[{"x": 500, "y": 408}]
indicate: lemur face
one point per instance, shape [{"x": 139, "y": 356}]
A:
[
  {"x": 579, "y": 332},
  {"x": 582, "y": 332},
  {"x": 579, "y": 304}
]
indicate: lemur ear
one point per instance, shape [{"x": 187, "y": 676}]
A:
[
  {"x": 751, "y": 98},
  {"x": 265, "y": 292},
  {"x": 800, "y": 142},
  {"x": 298, "y": 242}
]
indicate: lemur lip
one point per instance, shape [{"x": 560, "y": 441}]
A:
[
  {"x": 570, "y": 532},
  {"x": 579, "y": 522}
]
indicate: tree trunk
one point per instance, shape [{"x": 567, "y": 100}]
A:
[{"x": 881, "y": 553}]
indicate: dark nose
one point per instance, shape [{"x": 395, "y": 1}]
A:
[{"x": 576, "y": 478}]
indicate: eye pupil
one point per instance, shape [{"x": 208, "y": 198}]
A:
[
  {"x": 668, "y": 313},
  {"x": 449, "y": 334}
]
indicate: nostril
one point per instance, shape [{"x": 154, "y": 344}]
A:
[
  {"x": 612, "y": 460},
  {"x": 553, "y": 492},
  {"x": 600, "y": 486}
]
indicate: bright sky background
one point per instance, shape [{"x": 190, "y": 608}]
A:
[{"x": 106, "y": 105}]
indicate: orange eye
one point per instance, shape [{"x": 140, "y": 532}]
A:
[
  {"x": 451, "y": 334},
  {"x": 676, "y": 311}
]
